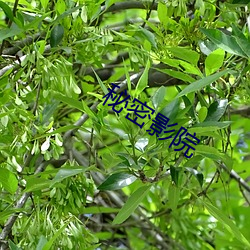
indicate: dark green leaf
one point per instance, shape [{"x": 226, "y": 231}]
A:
[
  {"x": 117, "y": 181},
  {"x": 171, "y": 110},
  {"x": 174, "y": 172},
  {"x": 56, "y": 35},
  {"x": 7, "y": 10},
  {"x": 216, "y": 110},
  {"x": 245, "y": 2}
]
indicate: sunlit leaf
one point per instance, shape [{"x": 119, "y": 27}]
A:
[{"x": 8, "y": 180}]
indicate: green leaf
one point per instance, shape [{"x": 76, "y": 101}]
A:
[
  {"x": 66, "y": 172},
  {"x": 70, "y": 101},
  {"x": 216, "y": 110},
  {"x": 147, "y": 35},
  {"x": 227, "y": 223},
  {"x": 49, "y": 244},
  {"x": 177, "y": 74},
  {"x": 143, "y": 81},
  {"x": 13, "y": 246},
  {"x": 117, "y": 181},
  {"x": 202, "y": 114},
  {"x": 173, "y": 196},
  {"x": 104, "y": 89},
  {"x": 198, "y": 175},
  {"x": 174, "y": 172},
  {"x": 186, "y": 54},
  {"x": 223, "y": 41},
  {"x": 9, "y": 32},
  {"x": 197, "y": 85},
  {"x": 214, "y": 61},
  {"x": 7, "y": 10},
  {"x": 98, "y": 210},
  {"x": 35, "y": 183},
  {"x": 132, "y": 203},
  {"x": 56, "y": 35},
  {"x": 162, "y": 12},
  {"x": 158, "y": 97},
  {"x": 171, "y": 110},
  {"x": 8, "y": 180},
  {"x": 245, "y": 2},
  {"x": 41, "y": 243}
]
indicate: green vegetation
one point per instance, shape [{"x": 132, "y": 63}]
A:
[{"x": 78, "y": 174}]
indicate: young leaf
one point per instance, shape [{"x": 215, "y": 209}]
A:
[
  {"x": 132, "y": 203},
  {"x": 162, "y": 12},
  {"x": 8, "y": 180},
  {"x": 56, "y": 35},
  {"x": 117, "y": 181},
  {"x": 214, "y": 61}
]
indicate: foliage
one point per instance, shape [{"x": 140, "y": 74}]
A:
[{"x": 75, "y": 173}]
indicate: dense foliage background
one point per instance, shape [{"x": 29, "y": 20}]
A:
[{"x": 77, "y": 174}]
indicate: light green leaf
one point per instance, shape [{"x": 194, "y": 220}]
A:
[
  {"x": 214, "y": 61},
  {"x": 104, "y": 88},
  {"x": 202, "y": 114},
  {"x": 162, "y": 12},
  {"x": 186, "y": 54},
  {"x": 41, "y": 243},
  {"x": 143, "y": 81},
  {"x": 49, "y": 244},
  {"x": 158, "y": 97},
  {"x": 35, "y": 183},
  {"x": 173, "y": 196},
  {"x": 132, "y": 203},
  {"x": 8, "y": 180},
  {"x": 227, "y": 223},
  {"x": 66, "y": 172},
  {"x": 98, "y": 210},
  {"x": 197, "y": 85}
]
